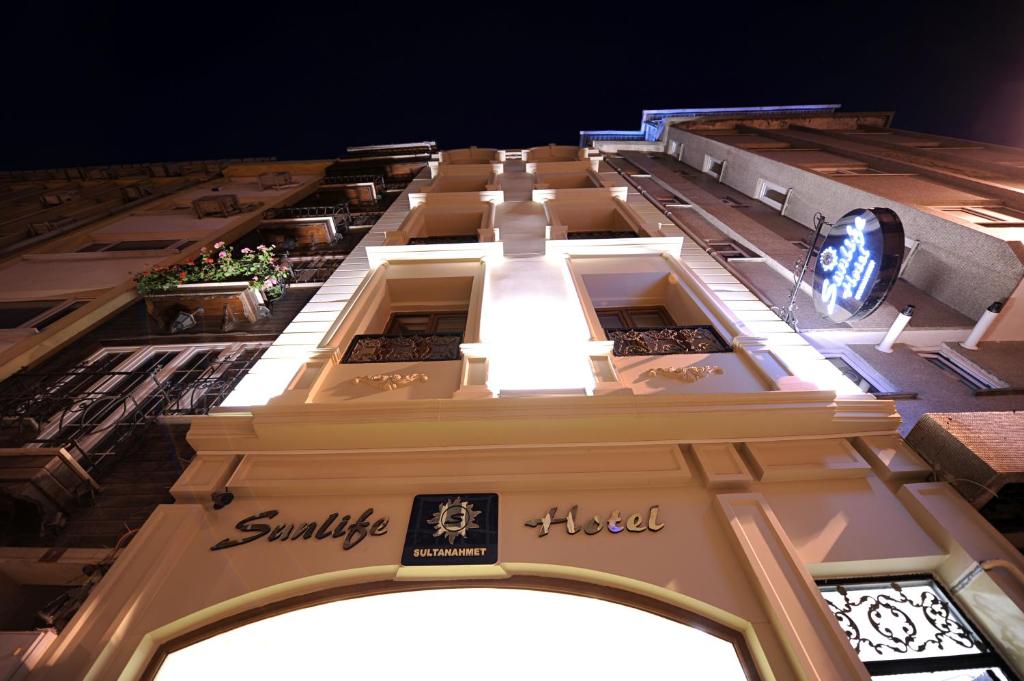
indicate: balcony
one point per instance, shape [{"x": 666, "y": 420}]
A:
[
  {"x": 435, "y": 347},
  {"x": 670, "y": 340}
]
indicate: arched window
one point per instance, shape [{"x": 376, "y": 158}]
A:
[{"x": 478, "y": 633}]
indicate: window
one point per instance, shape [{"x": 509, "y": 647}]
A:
[
  {"x": 414, "y": 323},
  {"x": 150, "y": 245},
  {"x": 37, "y": 314},
  {"x": 847, "y": 370},
  {"x": 730, "y": 250},
  {"x": 996, "y": 216},
  {"x": 714, "y": 167},
  {"x": 908, "y": 629},
  {"x": 851, "y": 171},
  {"x": 411, "y": 337},
  {"x": 614, "y": 319},
  {"x": 650, "y": 330},
  {"x": 95, "y": 406},
  {"x": 967, "y": 376},
  {"x": 772, "y": 194}
]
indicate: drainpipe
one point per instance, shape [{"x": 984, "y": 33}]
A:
[
  {"x": 981, "y": 327},
  {"x": 898, "y": 324}
]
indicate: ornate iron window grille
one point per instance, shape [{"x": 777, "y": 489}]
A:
[
  {"x": 432, "y": 347},
  {"x": 910, "y": 626},
  {"x": 94, "y": 409},
  {"x": 668, "y": 340}
]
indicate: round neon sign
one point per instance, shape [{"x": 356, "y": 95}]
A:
[{"x": 858, "y": 263}]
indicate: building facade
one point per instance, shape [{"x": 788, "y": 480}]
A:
[{"x": 527, "y": 411}]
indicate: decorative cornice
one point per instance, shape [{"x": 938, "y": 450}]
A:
[
  {"x": 684, "y": 374},
  {"x": 386, "y": 382}
]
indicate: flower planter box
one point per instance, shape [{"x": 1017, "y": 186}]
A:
[{"x": 213, "y": 305}]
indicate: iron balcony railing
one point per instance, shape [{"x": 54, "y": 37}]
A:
[
  {"x": 433, "y": 347},
  {"x": 340, "y": 212},
  {"x": 668, "y": 340},
  {"x": 336, "y": 180},
  {"x": 94, "y": 409}
]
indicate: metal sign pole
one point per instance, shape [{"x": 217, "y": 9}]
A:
[{"x": 789, "y": 312}]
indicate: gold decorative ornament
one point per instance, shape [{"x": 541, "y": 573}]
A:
[
  {"x": 387, "y": 382},
  {"x": 684, "y": 374}
]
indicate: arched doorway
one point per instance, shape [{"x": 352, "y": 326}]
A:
[{"x": 480, "y": 631}]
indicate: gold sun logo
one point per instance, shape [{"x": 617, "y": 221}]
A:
[{"x": 453, "y": 519}]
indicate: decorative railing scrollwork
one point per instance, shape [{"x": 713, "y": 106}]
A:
[
  {"x": 894, "y": 621},
  {"x": 669, "y": 340},
  {"x": 432, "y": 347}
]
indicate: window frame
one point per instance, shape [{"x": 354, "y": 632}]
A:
[
  {"x": 761, "y": 194},
  {"x": 968, "y": 376},
  {"x": 175, "y": 245},
  {"x": 991, "y": 216},
  {"x": 709, "y": 167},
  {"x": 137, "y": 355},
  {"x": 45, "y": 318},
  {"x": 882, "y": 669},
  {"x": 625, "y": 315},
  {"x": 433, "y": 316}
]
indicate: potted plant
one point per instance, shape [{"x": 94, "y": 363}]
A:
[{"x": 215, "y": 286}]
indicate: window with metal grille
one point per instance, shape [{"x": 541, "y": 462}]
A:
[
  {"x": 411, "y": 337},
  {"x": 95, "y": 405},
  {"x": 908, "y": 629},
  {"x": 650, "y": 330}
]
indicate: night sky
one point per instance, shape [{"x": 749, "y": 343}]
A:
[{"x": 109, "y": 82}]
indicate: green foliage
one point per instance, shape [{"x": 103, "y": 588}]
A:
[{"x": 259, "y": 267}]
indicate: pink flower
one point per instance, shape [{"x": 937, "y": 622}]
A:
[
  {"x": 219, "y": 244},
  {"x": 246, "y": 250},
  {"x": 262, "y": 247},
  {"x": 222, "y": 254}
]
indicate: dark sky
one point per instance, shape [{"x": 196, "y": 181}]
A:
[{"x": 110, "y": 82}]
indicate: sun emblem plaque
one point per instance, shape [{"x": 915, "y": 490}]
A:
[{"x": 452, "y": 529}]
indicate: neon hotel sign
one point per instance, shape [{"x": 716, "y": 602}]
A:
[{"x": 858, "y": 263}]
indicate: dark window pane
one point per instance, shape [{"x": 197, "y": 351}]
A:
[
  {"x": 63, "y": 312},
  {"x": 142, "y": 245},
  {"x": 13, "y": 315},
  {"x": 648, "y": 319},
  {"x": 610, "y": 321},
  {"x": 92, "y": 248},
  {"x": 406, "y": 324},
  {"x": 450, "y": 323}
]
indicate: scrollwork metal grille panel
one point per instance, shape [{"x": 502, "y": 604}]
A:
[
  {"x": 669, "y": 340},
  {"x": 433, "y": 347},
  {"x": 910, "y": 627}
]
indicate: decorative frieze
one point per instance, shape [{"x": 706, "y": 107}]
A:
[
  {"x": 683, "y": 374},
  {"x": 388, "y": 382}
]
